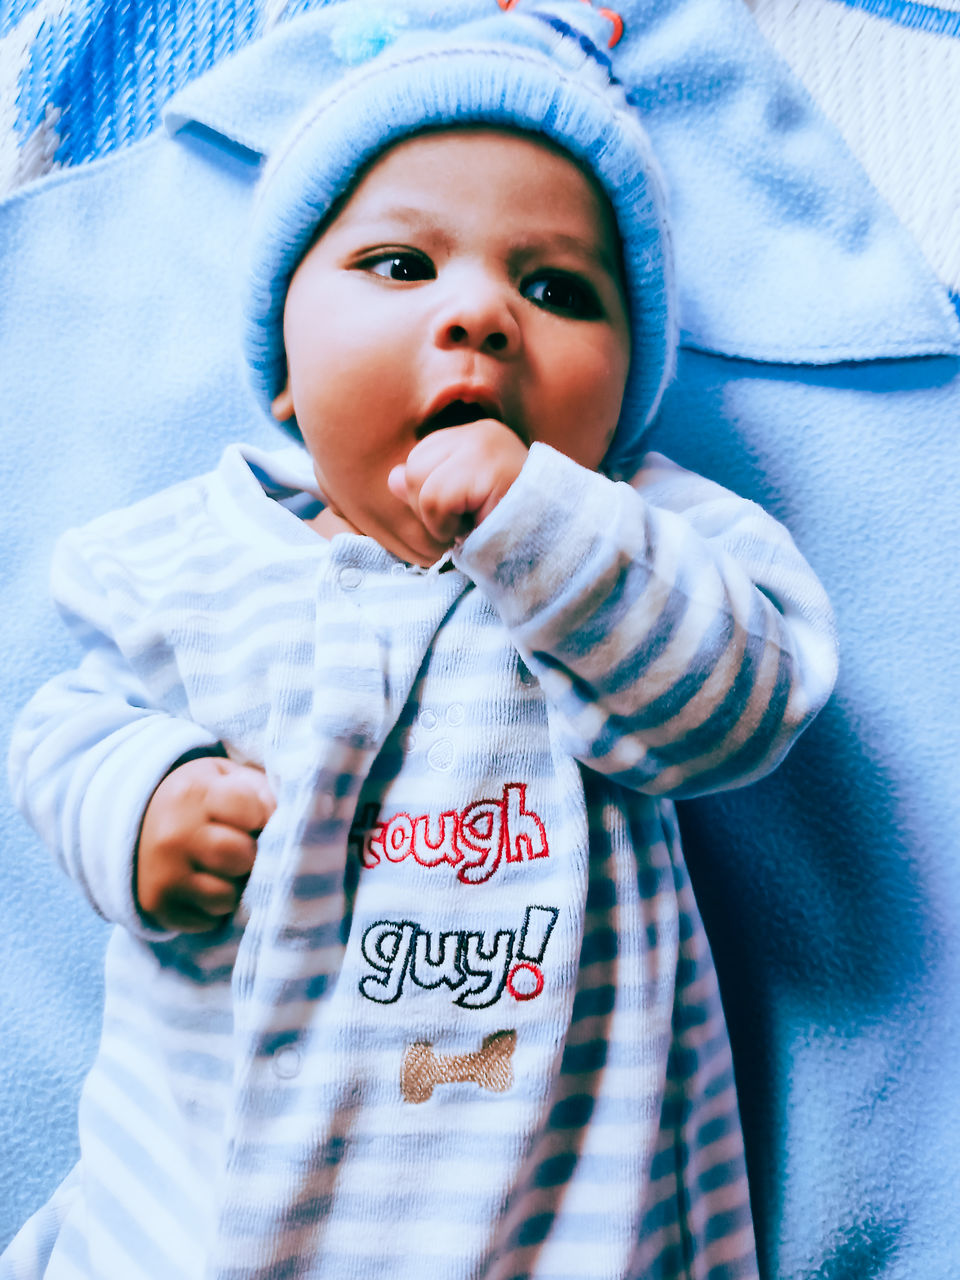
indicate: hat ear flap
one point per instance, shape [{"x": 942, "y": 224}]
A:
[{"x": 281, "y": 406}]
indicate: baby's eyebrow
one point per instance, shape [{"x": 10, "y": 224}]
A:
[
  {"x": 409, "y": 215},
  {"x": 588, "y": 254},
  {"x": 563, "y": 242}
]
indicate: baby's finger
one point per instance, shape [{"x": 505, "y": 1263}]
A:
[
  {"x": 406, "y": 480},
  {"x": 397, "y": 483},
  {"x": 428, "y": 482},
  {"x": 240, "y": 796},
  {"x": 223, "y": 850},
  {"x": 213, "y": 895},
  {"x": 181, "y": 911},
  {"x": 444, "y": 503}
]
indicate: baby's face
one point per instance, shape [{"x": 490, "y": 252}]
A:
[{"x": 471, "y": 274}]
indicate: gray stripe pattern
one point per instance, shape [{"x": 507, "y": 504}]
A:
[{"x": 465, "y": 1022}]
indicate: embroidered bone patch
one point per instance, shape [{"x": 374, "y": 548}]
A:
[{"x": 491, "y": 1067}]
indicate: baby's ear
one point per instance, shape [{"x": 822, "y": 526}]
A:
[{"x": 282, "y": 405}]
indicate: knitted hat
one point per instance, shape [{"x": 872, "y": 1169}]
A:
[{"x": 539, "y": 70}]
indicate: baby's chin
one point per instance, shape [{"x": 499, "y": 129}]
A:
[
  {"x": 423, "y": 552},
  {"x": 404, "y": 537},
  {"x": 400, "y": 531}
]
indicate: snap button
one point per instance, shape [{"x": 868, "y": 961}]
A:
[
  {"x": 286, "y": 1062},
  {"x": 350, "y": 577}
]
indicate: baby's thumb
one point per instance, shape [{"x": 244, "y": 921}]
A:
[{"x": 397, "y": 482}]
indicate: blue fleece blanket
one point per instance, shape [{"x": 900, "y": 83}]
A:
[{"x": 820, "y": 374}]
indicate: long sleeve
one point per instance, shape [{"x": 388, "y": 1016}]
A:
[
  {"x": 679, "y": 636},
  {"x": 91, "y": 746}
]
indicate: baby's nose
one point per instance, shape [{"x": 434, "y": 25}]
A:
[
  {"x": 460, "y": 335},
  {"x": 479, "y": 315}
]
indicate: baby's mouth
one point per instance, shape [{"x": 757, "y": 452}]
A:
[{"x": 458, "y": 413}]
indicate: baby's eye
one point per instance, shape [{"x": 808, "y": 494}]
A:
[
  {"x": 405, "y": 266},
  {"x": 557, "y": 291}
]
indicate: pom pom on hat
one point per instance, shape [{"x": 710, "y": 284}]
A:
[{"x": 539, "y": 71}]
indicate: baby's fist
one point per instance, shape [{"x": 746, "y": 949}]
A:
[
  {"x": 453, "y": 478},
  {"x": 198, "y": 842}
]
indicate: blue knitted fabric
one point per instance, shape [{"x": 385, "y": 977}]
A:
[
  {"x": 94, "y": 75},
  {"x": 907, "y": 13}
]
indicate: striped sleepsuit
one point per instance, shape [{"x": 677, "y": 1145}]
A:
[{"x": 465, "y": 1022}]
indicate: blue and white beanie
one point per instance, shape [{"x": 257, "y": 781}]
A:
[{"x": 540, "y": 70}]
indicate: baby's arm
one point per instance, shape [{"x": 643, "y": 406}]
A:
[
  {"x": 681, "y": 638},
  {"x": 198, "y": 842},
  {"x": 93, "y": 767}
]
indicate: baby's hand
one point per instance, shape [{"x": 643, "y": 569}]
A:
[
  {"x": 454, "y": 477},
  {"x": 198, "y": 842}
]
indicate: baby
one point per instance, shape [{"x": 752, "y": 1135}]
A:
[{"x": 369, "y": 748}]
